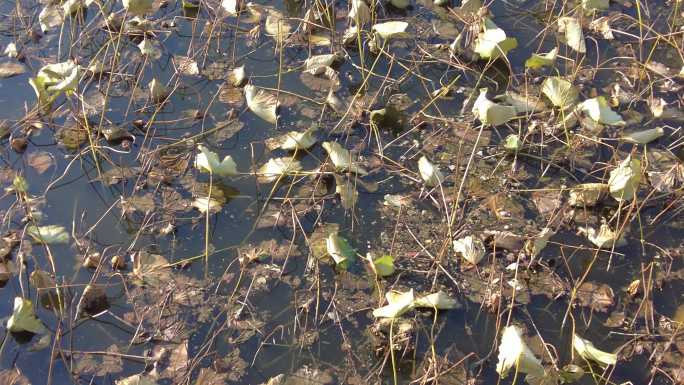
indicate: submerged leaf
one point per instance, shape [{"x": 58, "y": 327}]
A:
[
  {"x": 261, "y": 103},
  {"x": 489, "y": 112},
  {"x": 471, "y": 249},
  {"x": 150, "y": 268},
  {"x": 429, "y": 172},
  {"x": 624, "y": 180},
  {"x": 23, "y": 318},
  {"x": 208, "y": 161},
  {"x": 588, "y": 351},
  {"x": 514, "y": 354}
]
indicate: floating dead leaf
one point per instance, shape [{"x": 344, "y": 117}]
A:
[
  {"x": 262, "y": 103},
  {"x": 573, "y": 37},
  {"x": 624, "y": 180},
  {"x": 346, "y": 189},
  {"x": 587, "y": 194},
  {"x": 588, "y": 351},
  {"x": 237, "y": 77},
  {"x": 490, "y": 113},
  {"x": 7, "y": 270},
  {"x": 23, "y": 318},
  {"x": 51, "y": 16},
  {"x": 515, "y": 354},
  {"x": 643, "y": 136},
  {"x": 277, "y": 25},
  {"x": 537, "y": 243},
  {"x": 492, "y": 42},
  {"x": 560, "y": 91},
  {"x": 116, "y": 134},
  {"x": 342, "y": 159},
  {"x": 602, "y": 27},
  {"x": 211, "y": 204},
  {"x": 277, "y": 168},
  {"x": 187, "y": 66},
  {"x": 137, "y": 379},
  {"x": 604, "y": 237},
  {"x": 50, "y": 296},
  {"x": 471, "y": 248},
  {"x": 151, "y": 48}
]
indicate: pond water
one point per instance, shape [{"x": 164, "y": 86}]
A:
[{"x": 244, "y": 293}]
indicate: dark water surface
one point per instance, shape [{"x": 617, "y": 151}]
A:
[{"x": 79, "y": 199}]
